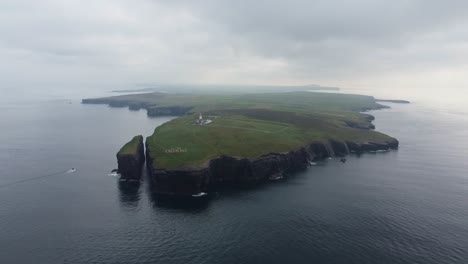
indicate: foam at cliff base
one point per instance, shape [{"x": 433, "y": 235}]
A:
[{"x": 114, "y": 174}]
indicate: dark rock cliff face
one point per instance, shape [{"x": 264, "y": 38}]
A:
[
  {"x": 181, "y": 182},
  {"x": 229, "y": 170},
  {"x": 319, "y": 151},
  {"x": 232, "y": 171},
  {"x": 130, "y": 164},
  {"x": 339, "y": 148},
  {"x": 270, "y": 165}
]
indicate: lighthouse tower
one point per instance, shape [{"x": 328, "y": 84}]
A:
[{"x": 199, "y": 120}]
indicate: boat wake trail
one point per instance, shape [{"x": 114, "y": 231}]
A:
[{"x": 39, "y": 177}]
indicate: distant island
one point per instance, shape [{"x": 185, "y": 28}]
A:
[
  {"x": 392, "y": 101},
  {"x": 236, "y": 139},
  {"x": 224, "y": 89}
]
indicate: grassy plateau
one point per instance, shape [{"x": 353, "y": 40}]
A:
[{"x": 131, "y": 147}]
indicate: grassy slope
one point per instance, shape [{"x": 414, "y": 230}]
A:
[
  {"x": 131, "y": 148},
  {"x": 253, "y": 125}
]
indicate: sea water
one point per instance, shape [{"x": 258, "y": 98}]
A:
[{"x": 405, "y": 206}]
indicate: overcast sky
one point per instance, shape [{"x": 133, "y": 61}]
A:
[{"x": 373, "y": 44}]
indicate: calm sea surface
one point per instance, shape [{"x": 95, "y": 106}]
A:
[{"x": 405, "y": 206}]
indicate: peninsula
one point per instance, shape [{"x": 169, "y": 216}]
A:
[{"x": 234, "y": 139}]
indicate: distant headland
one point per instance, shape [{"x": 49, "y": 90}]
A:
[
  {"x": 235, "y": 139},
  {"x": 392, "y": 101},
  {"x": 224, "y": 89}
]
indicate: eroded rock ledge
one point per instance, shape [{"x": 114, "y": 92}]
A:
[
  {"x": 131, "y": 158},
  {"x": 233, "y": 171}
]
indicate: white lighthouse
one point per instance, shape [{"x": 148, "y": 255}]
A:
[{"x": 200, "y": 121}]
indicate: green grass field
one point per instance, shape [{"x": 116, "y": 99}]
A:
[{"x": 131, "y": 147}]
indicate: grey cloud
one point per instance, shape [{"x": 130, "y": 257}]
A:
[
  {"x": 332, "y": 32},
  {"x": 316, "y": 20},
  {"x": 276, "y": 42}
]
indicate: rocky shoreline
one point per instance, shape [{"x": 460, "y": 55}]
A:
[{"x": 227, "y": 171}]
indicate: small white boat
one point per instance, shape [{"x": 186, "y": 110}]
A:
[{"x": 200, "y": 194}]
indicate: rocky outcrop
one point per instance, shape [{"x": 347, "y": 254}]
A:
[
  {"x": 233, "y": 171},
  {"x": 372, "y": 146},
  {"x": 131, "y": 158}
]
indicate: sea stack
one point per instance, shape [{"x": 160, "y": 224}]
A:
[{"x": 131, "y": 158}]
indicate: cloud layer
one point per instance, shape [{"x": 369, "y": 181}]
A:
[{"x": 367, "y": 43}]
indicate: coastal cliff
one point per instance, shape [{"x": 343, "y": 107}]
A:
[
  {"x": 152, "y": 110},
  {"x": 131, "y": 158},
  {"x": 234, "y": 171}
]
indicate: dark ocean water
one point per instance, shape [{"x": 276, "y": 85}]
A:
[{"x": 405, "y": 206}]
